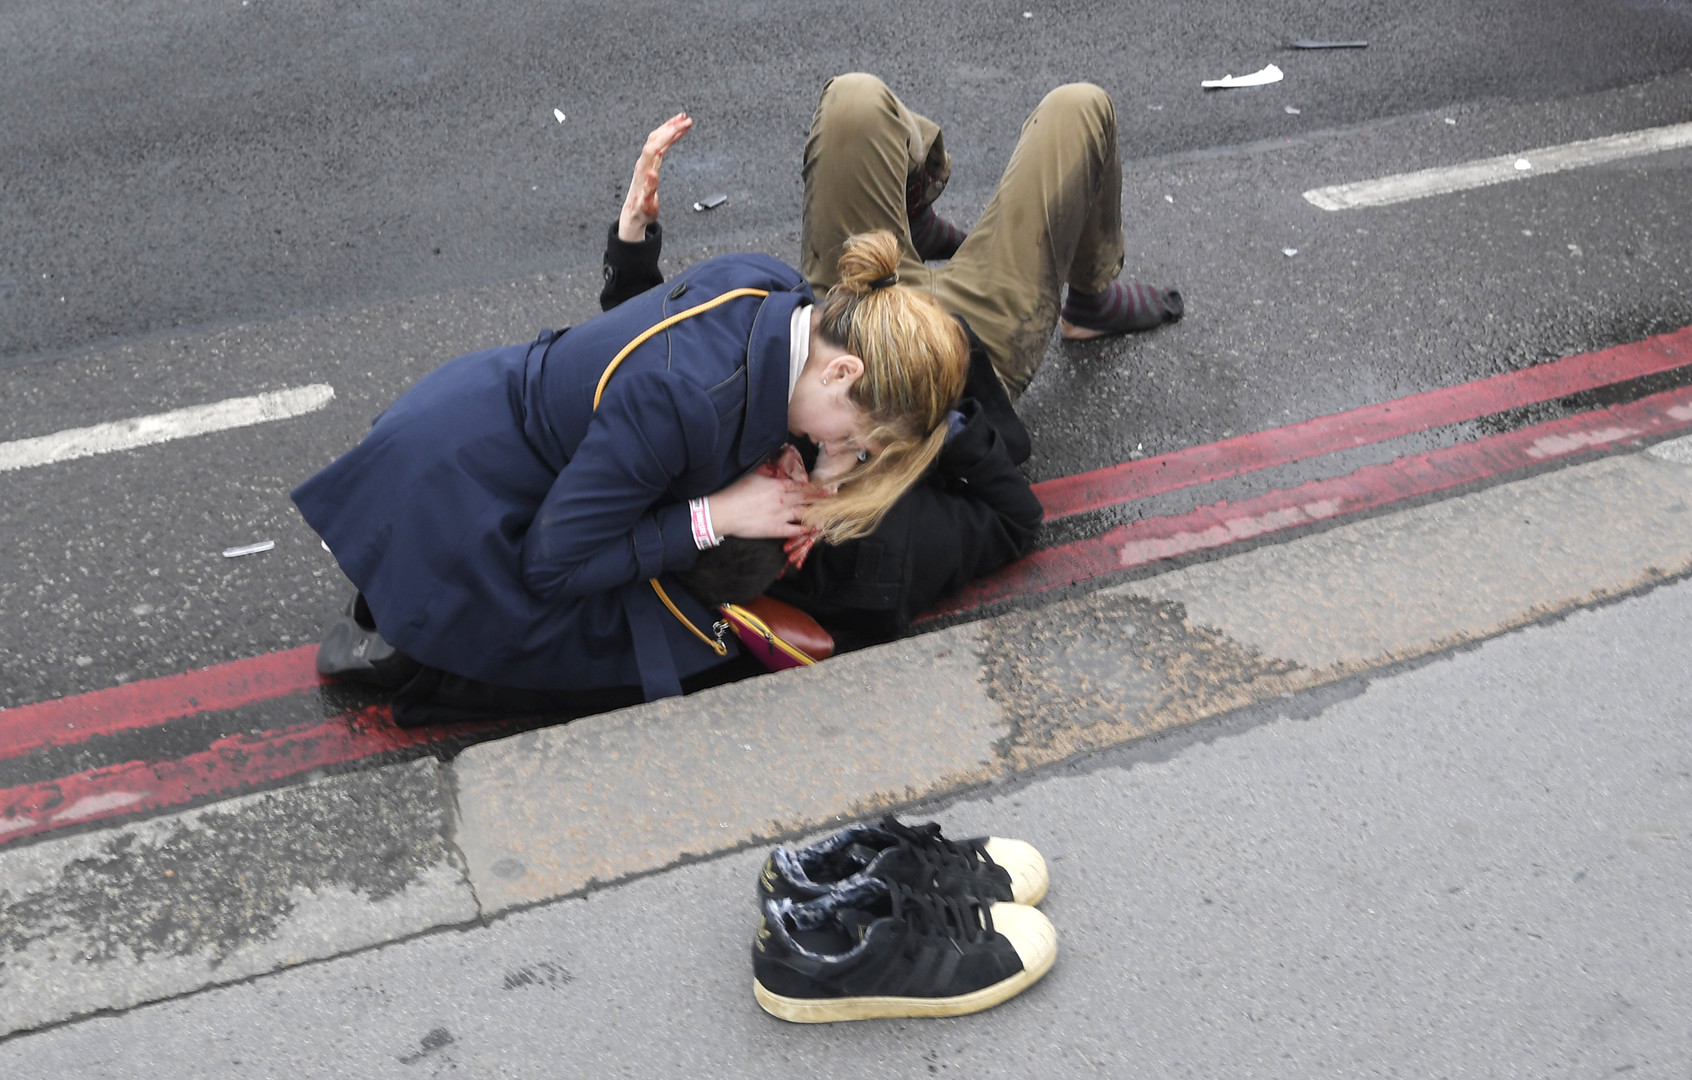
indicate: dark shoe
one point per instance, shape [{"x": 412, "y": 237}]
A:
[
  {"x": 359, "y": 609},
  {"x": 872, "y": 949},
  {"x": 352, "y": 652},
  {"x": 1125, "y": 307},
  {"x": 984, "y": 867}
]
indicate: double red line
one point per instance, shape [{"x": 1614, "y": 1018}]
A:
[
  {"x": 1155, "y": 539},
  {"x": 230, "y": 764},
  {"x": 241, "y": 762}
]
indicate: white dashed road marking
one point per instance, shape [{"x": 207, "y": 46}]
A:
[
  {"x": 163, "y": 427},
  {"x": 1473, "y": 174}
]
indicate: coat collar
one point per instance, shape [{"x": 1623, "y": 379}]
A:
[{"x": 767, "y": 350}]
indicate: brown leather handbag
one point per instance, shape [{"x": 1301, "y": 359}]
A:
[{"x": 778, "y": 634}]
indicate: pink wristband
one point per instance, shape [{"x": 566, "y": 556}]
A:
[{"x": 699, "y": 512}]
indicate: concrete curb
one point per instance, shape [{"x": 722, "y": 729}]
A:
[
  {"x": 554, "y": 812},
  {"x": 108, "y": 920}
]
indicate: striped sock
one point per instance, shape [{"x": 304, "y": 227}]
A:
[
  {"x": 933, "y": 236},
  {"x": 1125, "y": 306}
]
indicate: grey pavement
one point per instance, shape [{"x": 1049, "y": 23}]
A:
[{"x": 1478, "y": 866}]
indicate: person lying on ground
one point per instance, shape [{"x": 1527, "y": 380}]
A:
[
  {"x": 1054, "y": 221},
  {"x": 971, "y": 513}
]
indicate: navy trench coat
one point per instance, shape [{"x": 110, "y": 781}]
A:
[{"x": 502, "y": 529}]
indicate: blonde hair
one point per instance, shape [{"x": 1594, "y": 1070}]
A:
[{"x": 915, "y": 359}]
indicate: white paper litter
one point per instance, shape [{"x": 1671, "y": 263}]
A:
[
  {"x": 1292, "y": 110},
  {"x": 1270, "y": 74},
  {"x": 248, "y": 549},
  {"x": 1289, "y": 252},
  {"x": 559, "y": 113}
]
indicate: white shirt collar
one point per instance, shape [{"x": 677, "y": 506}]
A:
[{"x": 799, "y": 347}]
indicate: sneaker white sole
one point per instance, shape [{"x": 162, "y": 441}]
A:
[
  {"x": 1025, "y": 865},
  {"x": 1029, "y": 932}
]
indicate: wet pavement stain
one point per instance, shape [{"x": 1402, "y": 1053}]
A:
[
  {"x": 542, "y": 975},
  {"x": 218, "y": 881},
  {"x": 438, "y": 1038},
  {"x": 1104, "y": 669}
]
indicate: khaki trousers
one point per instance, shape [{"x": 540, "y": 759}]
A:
[{"x": 1055, "y": 218}]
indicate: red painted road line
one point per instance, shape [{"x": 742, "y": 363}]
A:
[
  {"x": 153, "y": 701},
  {"x": 229, "y": 766},
  {"x": 225, "y": 686},
  {"x": 1076, "y": 494},
  {"x": 1143, "y": 542}
]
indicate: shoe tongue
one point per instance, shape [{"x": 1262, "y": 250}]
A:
[{"x": 856, "y": 923}]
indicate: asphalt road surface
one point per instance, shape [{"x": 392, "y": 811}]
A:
[{"x": 203, "y": 201}]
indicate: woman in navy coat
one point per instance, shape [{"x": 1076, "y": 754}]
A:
[{"x": 516, "y": 517}]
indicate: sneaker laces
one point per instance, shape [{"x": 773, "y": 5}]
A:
[
  {"x": 935, "y": 851},
  {"x": 938, "y": 915}
]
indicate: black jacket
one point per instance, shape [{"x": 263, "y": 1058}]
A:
[{"x": 972, "y": 513}]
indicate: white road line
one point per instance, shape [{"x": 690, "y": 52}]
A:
[
  {"x": 1473, "y": 174},
  {"x": 163, "y": 427}
]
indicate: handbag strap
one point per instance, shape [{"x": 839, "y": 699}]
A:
[
  {"x": 716, "y": 643},
  {"x": 659, "y": 327}
]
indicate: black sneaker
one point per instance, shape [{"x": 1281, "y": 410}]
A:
[
  {"x": 354, "y": 650},
  {"x": 870, "y": 949},
  {"x": 984, "y": 867}
]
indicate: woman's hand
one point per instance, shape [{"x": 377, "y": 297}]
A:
[
  {"x": 640, "y": 208},
  {"x": 759, "y": 505},
  {"x": 788, "y": 463}
]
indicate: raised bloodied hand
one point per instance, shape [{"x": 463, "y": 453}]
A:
[{"x": 640, "y": 208}]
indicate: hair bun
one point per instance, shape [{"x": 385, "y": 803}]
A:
[{"x": 869, "y": 262}]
